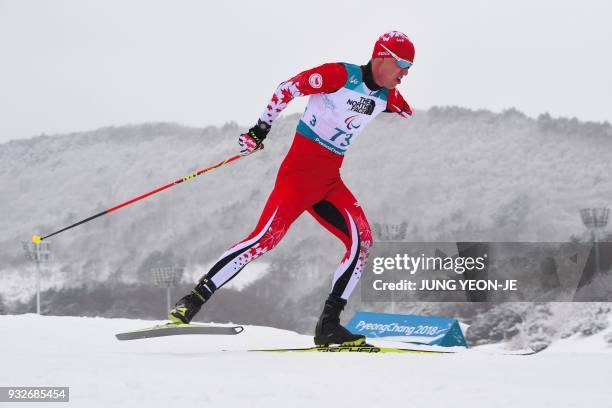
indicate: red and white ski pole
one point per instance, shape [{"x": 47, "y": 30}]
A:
[{"x": 36, "y": 239}]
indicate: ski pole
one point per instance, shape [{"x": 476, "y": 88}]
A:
[{"x": 36, "y": 239}]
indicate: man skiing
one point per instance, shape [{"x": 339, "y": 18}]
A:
[{"x": 344, "y": 99}]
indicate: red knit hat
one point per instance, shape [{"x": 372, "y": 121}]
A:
[{"x": 396, "y": 42}]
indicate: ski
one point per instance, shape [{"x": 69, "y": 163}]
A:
[
  {"x": 368, "y": 348},
  {"x": 354, "y": 349},
  {"x": 521, "y": 352},
  {"x": 173, "y": 329}
]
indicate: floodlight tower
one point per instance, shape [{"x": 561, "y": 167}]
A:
[
  {"x": 595, "y": 219},
  {"x": 167, "y": 277},
  {"x": 391, "y": 232},
  {"x": 39, "y": 253}
]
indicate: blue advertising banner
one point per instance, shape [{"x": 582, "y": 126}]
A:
[{"x": 439, "y": 331}]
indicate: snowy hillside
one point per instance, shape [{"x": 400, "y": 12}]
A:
[
  {"x": 448, "y": 173},
  {"x": 451, "y": 174},
  {"x": 82, "y": 353}
]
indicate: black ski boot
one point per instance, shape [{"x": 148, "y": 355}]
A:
[
  {"x": 189, "y": 305},
  {"x": 330, "y": 331}
]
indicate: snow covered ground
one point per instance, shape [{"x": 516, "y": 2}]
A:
[{"x": 188, "y": 371}]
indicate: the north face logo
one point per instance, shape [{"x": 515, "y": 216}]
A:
[{"x": 363, "y": 105}]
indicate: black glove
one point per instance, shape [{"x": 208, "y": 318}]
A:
[{"x": 259, "y": 131}]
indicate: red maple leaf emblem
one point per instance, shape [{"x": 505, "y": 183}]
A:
[
  {"x": 275, "y": 98},
  {"x": 287, "y": 96}
]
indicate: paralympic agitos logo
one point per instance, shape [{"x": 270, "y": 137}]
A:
[
  {"x": 351, "y": 123},
  {"x": 363, "y": 105}
]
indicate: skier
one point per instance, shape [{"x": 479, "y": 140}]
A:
[{"x": 345, "y": 98}]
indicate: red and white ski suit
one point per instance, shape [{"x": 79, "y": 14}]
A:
[{"x": 344, "y": 99}]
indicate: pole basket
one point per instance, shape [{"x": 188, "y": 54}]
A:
[{"x": 595, "y": 217}]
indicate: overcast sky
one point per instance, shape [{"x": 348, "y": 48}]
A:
[{"x": 78, "y": 65}]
